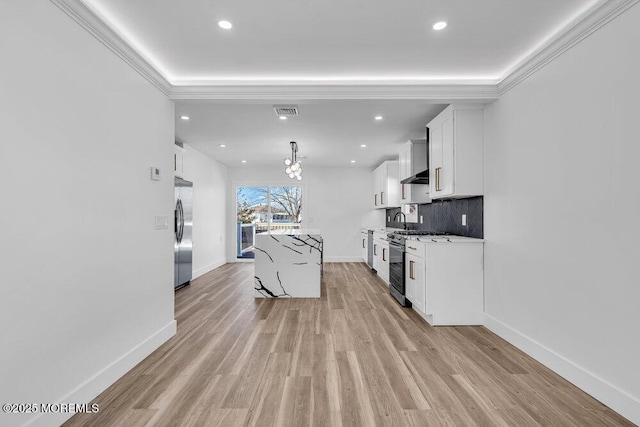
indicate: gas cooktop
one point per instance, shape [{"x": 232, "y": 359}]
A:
[
  {"x": 419, "y": 233},
  {"x": 401, "y": 235}
]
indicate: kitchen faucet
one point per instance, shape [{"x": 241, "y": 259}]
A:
[{"x": 404, "y": 219}]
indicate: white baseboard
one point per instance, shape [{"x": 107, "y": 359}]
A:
[
  {"x": 207, "y": 268},
  {"x": 343, "y": 259},
  {"x": 95, "y": 385},
  {"x": 326, "y": 259},
  {"x": 620, "y": 401}
]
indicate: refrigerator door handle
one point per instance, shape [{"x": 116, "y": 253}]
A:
[
  {"x": 178, "y": 222},
  {"x": 175, "y": 221},
  {"x": 181, "y": 220}
]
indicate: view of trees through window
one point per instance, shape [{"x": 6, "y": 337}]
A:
[{"x": 262, "y": 209}]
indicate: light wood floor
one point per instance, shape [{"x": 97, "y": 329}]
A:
[{"x": 353, "y": 357}]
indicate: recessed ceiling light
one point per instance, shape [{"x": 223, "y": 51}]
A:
[
  {"x": 223, "y": 146},
  {"x": 282, "y": 117},
  {"x": 363, "y": 145},
  {"x": 184, "y": 117},
  {"x": 378, "y": 118},
  {"x": 244, "y": 161},
  {"x": 225, "y": 25},
  {"x": 353, "y": 161},
  {"x": 439, "y": 25}
]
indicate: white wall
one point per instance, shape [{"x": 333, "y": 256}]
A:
[
  {"x": 561, "y": 208},
  {"x": 86, "y": 281},
  {"x": 210, "y": 186},
  {"x": 336, "y": 201}
]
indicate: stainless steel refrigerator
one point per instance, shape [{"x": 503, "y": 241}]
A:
[{"x": 183, "y": 223}]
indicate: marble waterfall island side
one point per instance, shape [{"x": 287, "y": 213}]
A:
[{"x": 287, "y": 265}]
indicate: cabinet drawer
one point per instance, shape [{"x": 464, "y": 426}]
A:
[{"x": 415, "y": 248}]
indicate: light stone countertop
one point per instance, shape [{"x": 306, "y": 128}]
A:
[
  {"x": 445, "y": 239},
  {"x": 294, "y": 232}
]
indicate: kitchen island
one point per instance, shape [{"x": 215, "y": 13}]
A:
[{"x": 288, "y": 264}]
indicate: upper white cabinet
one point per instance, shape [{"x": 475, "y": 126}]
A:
[
  {"x": 178, "y": 161},
  {"x": 412, "y": 159},
  {"x": 456, "y": 152},
  {"x": 386, "y": 187}
]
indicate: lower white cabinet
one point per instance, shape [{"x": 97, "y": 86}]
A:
[
  {"x": 364, "y": 240},
  {"x": 446, "y": 285},
  {"x": 415, "y": 281},
  {"x": 381, "y": 256}
]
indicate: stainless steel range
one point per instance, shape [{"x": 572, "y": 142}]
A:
[{"x": 397, "y": 241}]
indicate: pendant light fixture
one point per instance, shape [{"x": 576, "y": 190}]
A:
[{"x": 293, "y": 167}]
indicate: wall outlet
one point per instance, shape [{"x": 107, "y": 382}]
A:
[
  {"x": 464, "y": 219},
  {"x": 421, "y": 219},
  {"x": 155, "y": 173}
]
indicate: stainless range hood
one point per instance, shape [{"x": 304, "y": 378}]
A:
[
  {"x": 419, "y": 178},
  {"x": 418, "y": 162}
]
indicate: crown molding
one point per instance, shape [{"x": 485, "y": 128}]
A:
[
  {"x": 84, "y": 16},
  {"x": 564, "y": 41},
  {"x": 441, "y": 93}
]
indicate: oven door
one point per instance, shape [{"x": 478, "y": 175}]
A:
[
  {"x": 396, "y": 273},
  {"x": 396, "y": 267}
]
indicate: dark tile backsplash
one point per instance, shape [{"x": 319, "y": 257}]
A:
[{"x": 446, "y": 215}]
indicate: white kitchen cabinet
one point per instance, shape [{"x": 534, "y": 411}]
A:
[
  {"x": 414, "y": 193},
  {"x": 381, "y": 255},
  {"x": 386, "y": 187},
  {"x": 364, "y": 240},
  {"x": 412, "y": 159},
  {"x": 409, "y": 284},
  {"x": 383, "y": 272},
  {"x": 377, "y": 187},
  {"x": 415, "y": 282},
  {"x": 414, "y": 274},
  {"x": 376, "y": 256},
  {"x": 419, "y": 272},
  {"x": 453, "y": 282},
  {"x": 178, "y": 161},
  {"x": 456, "y": 152}
]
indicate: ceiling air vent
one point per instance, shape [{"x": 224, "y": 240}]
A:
[{"x": 286, "y": 110}]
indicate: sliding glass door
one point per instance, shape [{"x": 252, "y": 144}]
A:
[{"x": 265, "y": 209}]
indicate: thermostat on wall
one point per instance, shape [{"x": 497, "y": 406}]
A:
[{"x": 155, "y": 173}]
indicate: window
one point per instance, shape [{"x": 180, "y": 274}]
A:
[{"x": 265, "y": 209}]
